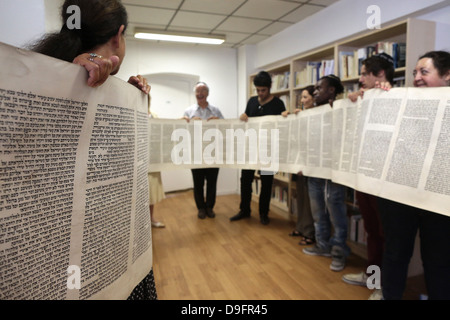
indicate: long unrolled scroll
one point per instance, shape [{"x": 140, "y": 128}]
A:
[
  {"x": 74, "y": 207},
  {"x": 390, "y": 144}
]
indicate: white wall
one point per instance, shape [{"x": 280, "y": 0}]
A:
[
  {"x": 214, "y": 65},
  {"x": 442, "y": 19},
  {"x": 246, "y": 66},
  {"x": 52, "y": 15},
  {"x": 21, "y": 21}
]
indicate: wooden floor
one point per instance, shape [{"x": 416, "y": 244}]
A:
[{"x": 215, "y": 259}]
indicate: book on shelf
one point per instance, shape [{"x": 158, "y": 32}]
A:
[
  {"x": 400, "y": 59},
  {"x": 361, "y": 55},
  {"x": 313, "y": 71},
  {"x": 357, "y": 232},
  {"x": 280, "y": 81},
  {"x": 280, "y": 194},
  {"x": 347, "y": 67},
  {"x": 397, "y": 50},
  {"x": 350, "y": 62},
  {"x": 371, "y": 51}
]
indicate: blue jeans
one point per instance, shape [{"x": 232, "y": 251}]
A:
[{"x": 329, "y": 209}]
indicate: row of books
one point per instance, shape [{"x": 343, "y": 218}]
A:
[
  {"x": 313, "y": 71},
  {"x": 350, "y": 62},
  {"x": 280, "y": 193},
  {"x": 280, "y": 81}
]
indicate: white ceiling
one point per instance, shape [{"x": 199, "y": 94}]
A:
[{"x": 241, "y": 21}]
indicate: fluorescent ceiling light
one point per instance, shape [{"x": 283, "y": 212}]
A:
[{"x": 179, "y": 37}]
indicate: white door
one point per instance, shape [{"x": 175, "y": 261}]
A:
[{"x": 171, "y": 94}]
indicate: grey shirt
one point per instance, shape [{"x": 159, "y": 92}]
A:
[{"x": 197, "y": 111}]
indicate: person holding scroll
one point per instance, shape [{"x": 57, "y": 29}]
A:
[
  {"x": 203, "y": 110},
  {"x": 374, "y": 70},
  {"x": 304, "y": 227},
  {"x": 261, "y": 105},
  {"x": 328, "y": 198},
  {"x": 401, "y": 222},
  {"x": 99, "y": 46}
]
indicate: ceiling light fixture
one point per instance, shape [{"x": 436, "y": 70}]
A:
[{"x": 179, "y": 37}]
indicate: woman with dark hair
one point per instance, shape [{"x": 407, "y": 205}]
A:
[
  {"x": 306, "y": 100},
  {"x": 305, "y": 223},
  {"x": 401, "y": 222},
  {"x": 328, "y": 198},
  {"x": 99, "y": 46}
]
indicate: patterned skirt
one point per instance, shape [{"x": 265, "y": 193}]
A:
[{"x": 145, "y": 290}]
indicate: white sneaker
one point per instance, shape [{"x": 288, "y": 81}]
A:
[
  {"x": 357, "y": 279},
  {"x": 377, "y": 294},
  {"x": 157, "y": 224}
]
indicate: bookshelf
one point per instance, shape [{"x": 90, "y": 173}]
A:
[
  {"x": 412, "y": 38},
  {"x": 308, "y": 68},
  {"x": 404, "y": 41}
]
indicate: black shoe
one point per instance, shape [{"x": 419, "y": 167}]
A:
[
  {"x": 210, "y": 213},
  {"x": 201, "y": 213},
  {"x": 240, "y": 215},
  {"x": 265, "y": 220}
]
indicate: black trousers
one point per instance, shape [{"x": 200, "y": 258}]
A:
[
  {"x": 400, "y": 226},
  {"x": 247, "y": 177},
  {"x": 199, "y": 176}
]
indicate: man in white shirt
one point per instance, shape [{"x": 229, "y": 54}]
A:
[{"x": 202, "y": 110}]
